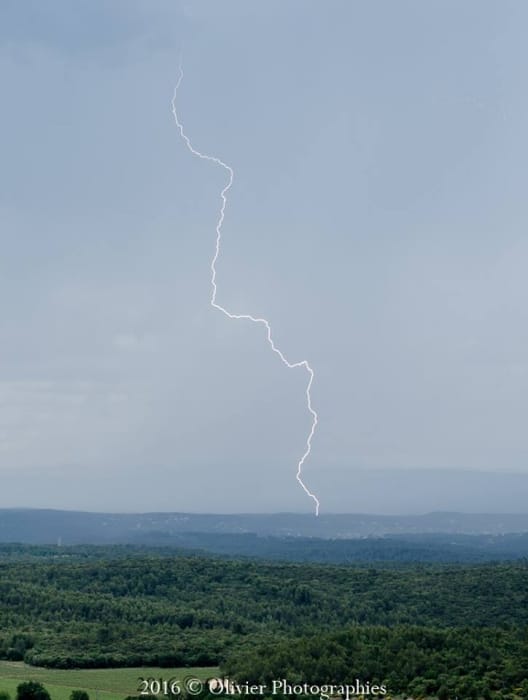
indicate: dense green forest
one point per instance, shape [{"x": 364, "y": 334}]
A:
[
  {"x": 423, "y": 661},
  {"x": 410, "y": 626}
]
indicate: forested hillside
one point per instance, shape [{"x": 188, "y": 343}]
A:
[
  {"x": 437, "y": 662},
  {"x": 39, "y": 526},
  {"x": 403, "y": 623}
]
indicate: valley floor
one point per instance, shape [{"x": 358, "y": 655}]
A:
[{"x": 101, "y": 684}]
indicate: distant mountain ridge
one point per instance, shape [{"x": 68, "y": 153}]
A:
[{"x": 43, "y": 526}]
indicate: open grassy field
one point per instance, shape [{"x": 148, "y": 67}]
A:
[{"x": 101, "y": 684}]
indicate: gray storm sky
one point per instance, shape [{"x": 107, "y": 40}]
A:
[{"x": 377, "y": 218}]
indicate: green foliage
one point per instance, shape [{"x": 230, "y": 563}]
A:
[
  {"x": 79, "y": 695},
  {"x": 32, "y": 690},
  {"x": 426, "y": 630},
  {"x": 4, "y": 695},
  {"x": 426, "y": 662}
]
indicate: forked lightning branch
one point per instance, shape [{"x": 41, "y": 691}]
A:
[{"x": 247, "y": 317}]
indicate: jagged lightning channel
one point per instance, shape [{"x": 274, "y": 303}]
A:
[{"x": 248, "y": 317}]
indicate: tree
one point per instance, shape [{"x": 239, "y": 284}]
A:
[
  {"x": 443, "y": 693},
  {"x": 32, "y": 690},
  {"x": 79, "y": 695}
]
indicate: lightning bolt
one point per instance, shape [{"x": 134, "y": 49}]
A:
[{"x": 247, "y": 317}]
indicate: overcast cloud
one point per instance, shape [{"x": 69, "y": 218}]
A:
[{"x": 378, "y": 218}]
